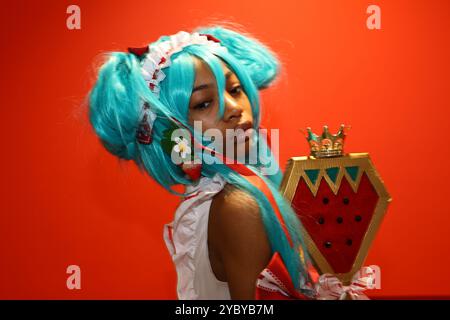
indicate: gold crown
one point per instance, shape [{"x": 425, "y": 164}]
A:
[{"x": 327, "y": 144}]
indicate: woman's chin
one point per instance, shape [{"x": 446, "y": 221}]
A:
[{"x": 241, "y": 150}]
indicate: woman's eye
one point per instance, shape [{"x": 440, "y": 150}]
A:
[
  {"x": 203, "y": 105},
  {"x": 236, "y": 90}
]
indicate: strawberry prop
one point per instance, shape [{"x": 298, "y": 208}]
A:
[{"x": 340, "y": 200}]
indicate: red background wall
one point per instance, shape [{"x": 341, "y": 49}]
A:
[{"x": 64, "y": 200}]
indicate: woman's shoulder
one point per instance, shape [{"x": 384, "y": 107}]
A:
[
  {"x": 232, "y": 201},
  {"x": 236, "y": 221},
  {"x": 238, "y": 236}
]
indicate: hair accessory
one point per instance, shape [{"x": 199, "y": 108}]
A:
[
  {"x": 154, "y": 58},
  {"x": 144, "y": 130},
  {"x": 183, "y": 146},
  {"x": 158, "y": 55},
  {"x": 138, "y": 51}
]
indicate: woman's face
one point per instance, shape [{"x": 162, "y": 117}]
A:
[{"x": 204, "y": 107}]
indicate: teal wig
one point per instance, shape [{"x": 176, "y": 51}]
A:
[{"x": 114, "y": 108}]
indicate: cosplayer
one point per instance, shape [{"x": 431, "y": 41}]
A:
[
  {"x": 234, "y": 236},
  {"x": 141, "y": 95}
]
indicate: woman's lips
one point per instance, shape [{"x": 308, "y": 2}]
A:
[
  {"x": 243, "y": 131},
  {"x": 244, "y": 125}
]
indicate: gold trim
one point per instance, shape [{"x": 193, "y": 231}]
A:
[{"x": 295, "y": 170}]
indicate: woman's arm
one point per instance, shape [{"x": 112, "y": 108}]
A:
[{"x": 239, "y": 239}]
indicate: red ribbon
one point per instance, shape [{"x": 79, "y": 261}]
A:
[{"x": 275, "y": 283}]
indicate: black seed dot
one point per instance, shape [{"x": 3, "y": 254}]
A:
[
  {"x": 346, "y": 201},
  {"x": 327, "y": 244},
  {"x": 339, "y": 220},
  {"x": 321, "y": 220},
  {"x": 349, "y": 242},
  {"x": 358, "y": 218},
  {"x": 325, "y": 200}
]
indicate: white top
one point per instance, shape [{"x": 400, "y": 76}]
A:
[{"x": 186, "y": 239}]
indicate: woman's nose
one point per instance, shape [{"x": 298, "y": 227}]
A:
[{"x": 232, "y": 108}]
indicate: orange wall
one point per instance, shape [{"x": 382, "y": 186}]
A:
[{"x": 64, "y": 200}]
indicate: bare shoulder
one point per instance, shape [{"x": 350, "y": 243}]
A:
[
  {"x": 238, "y": 236},
  {"x": 236, "y": 219},
  {"x": 232, "y": 207}
]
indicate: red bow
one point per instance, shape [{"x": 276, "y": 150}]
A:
[
  {"x": 209, "y": 37},
  {"x": 274, "y": 282},
  {"x": 138, "y": 51}
]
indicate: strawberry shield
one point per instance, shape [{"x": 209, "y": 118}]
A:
[{"x": 341, "y": 202}]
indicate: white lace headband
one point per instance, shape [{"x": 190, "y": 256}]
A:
[{"x": 155, "y": 57}]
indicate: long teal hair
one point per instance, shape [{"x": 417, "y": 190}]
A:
[{"x": 114, "y": 108}]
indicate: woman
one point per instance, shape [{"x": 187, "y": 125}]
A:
[{"x": 170, "y": 108}]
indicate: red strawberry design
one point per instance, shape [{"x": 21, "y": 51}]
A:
[
  {"x": 192, "y": 170},
  {"x": 341, "y": 202}
]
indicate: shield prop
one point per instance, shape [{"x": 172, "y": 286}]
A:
[{"x": 340, "y": 200}]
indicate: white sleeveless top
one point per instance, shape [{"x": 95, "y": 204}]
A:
[{"x": 186, "y": 239}]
